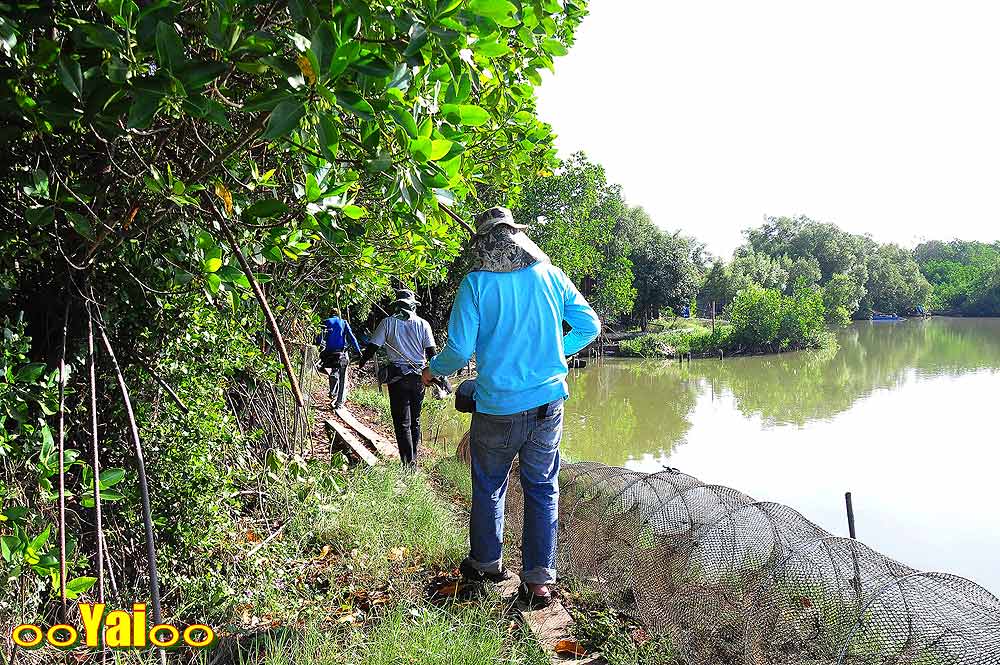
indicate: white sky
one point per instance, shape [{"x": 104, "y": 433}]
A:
[{"x": 882, "y": 116}]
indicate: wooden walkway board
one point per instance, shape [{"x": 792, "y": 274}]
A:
[
  {"x": 549, "y": 625},
  {"x": 384, "y": 448},
  {"x": 338, "y": 431}
]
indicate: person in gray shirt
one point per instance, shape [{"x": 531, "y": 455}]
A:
[{"x": 408, "y": 342}]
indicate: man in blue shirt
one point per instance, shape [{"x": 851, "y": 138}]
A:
[
  {"x": 510, "y": 313},
  {"x": 333, "y": 356}
]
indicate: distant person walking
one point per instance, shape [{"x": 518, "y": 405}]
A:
[
  {"x": 333, "y": 342},
  {"x": 408, "y": 342},
  {"x": 510, "y": 313}
]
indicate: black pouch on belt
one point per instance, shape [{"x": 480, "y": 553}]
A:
[{"x": 465, "y": 396}]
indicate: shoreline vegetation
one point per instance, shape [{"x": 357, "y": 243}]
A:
[{"x": 759, "y": 321}]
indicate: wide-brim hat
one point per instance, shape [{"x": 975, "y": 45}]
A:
[
  {"x": 488, "y": 219},
  {"x": 406, "y": 297}
]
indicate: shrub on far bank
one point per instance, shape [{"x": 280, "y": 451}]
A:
[{"x": 765, "y": 320}]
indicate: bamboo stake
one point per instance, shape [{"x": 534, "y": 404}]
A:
[
  {"x": 147, "y": 517},
  {"x": 62, "y": 467},
  {"x": 95, "y": 453},
  {"x": 259, "y": 294}
]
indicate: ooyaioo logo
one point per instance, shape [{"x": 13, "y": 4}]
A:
[{"x": 119, "y": 629}]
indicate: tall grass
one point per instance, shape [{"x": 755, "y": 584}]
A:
[
  {"x": 420, "y": 634},
  {"x": 381, "y": 512}
]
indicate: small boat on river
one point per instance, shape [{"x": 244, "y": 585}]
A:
[{"x": 879, "y": 316}]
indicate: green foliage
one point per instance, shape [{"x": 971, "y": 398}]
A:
[
  {"x": 965, "y": 276},
  {"x": 600, "y": 629},
  {"x": 764, "y": 319},
  {"x": 842, "y": 297},
  {"x": 574, "y": 215},
  {"x": 857, "y": 275},
  {"x": 692, "y": 338},
  {"x": 29, "y": 396},
  {"x": 623, "y": 262},
  {"x": 145, "y": 148}
]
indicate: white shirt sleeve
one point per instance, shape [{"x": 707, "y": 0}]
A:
[
  {"x": 378, "y": 337},
  {"x": 428, "y": 335}
]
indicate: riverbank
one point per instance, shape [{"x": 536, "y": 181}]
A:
[{"x": 698, "y": 340}]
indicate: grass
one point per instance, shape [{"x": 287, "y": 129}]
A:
[
  {"x": 476, "y": 634},
  {"x": 383, "y": 518},
  {"x": 373, "y": 399},
  {"x": 693, "y": 338}
]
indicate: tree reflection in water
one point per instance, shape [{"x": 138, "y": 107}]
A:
[{"x": 622, "y": 410}]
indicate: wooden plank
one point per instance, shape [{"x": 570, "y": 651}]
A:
[
  {"x": 338, "y": 431},
  {"x": 549, "y": 625},
  {"x": 384, "y": 448}
]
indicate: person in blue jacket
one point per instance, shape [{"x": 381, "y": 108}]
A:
[
  {"x": 509, "y": 312},
  {"x": 333, "y": 342}
]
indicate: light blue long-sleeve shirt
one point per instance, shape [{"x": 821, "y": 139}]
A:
[{"x": 513, "y": 321}]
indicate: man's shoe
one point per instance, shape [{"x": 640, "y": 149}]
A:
[
  {"x": 473, "y": 574},
  {"x": 531, "y": 599}
]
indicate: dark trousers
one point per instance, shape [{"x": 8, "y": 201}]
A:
[
  {"x": 406, "y": 397},
  {"x": 338, "y": 386}
]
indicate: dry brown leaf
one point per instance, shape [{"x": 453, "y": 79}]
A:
[
  {"x": 397, "y": 553},
  {"x": 252, "y": 537},
  {"x": 131, "y": 216},
  {"x": 227, "y": 198},
  {"x": 307, "y": 69},
  {"x": 449, "y": 589},
  {"x": 570, "y": 648}
]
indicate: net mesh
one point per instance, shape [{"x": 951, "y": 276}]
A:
[{"x": 734, "y": 580}]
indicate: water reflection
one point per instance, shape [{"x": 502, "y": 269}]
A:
[
  {"x": 903, "y": 415},
  {"x": 625, "y": 410}
]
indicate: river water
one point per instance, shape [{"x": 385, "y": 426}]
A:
[{"x": 903, "y": 415}]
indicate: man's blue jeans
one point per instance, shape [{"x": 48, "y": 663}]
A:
[{"x": 533, "y": 436}]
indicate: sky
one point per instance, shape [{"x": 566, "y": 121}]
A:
[{"x": 882, "y": 117}]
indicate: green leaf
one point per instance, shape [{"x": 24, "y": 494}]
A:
[
  {"x": 169, "y": 48},
  {"x": 8, "y": 546},
  {"x": 266, "y": 101},
  {"x": 144, "y": 106},
  {"x": 354, "y": 212},
  {"x": 265, "y": 208},
  {"x": 213, "y": 282},
  {"x": 498, "y": 10},
  {"x": 30, "y": 373},
  {"x": 284, "y": 118},
  {"x": 420, "y": 149},
  {"x": 111, "y": 477},
  {"x": 81, "y": 225},
  {"x": 323, "y": 47},
  {"x": 71, "y": 77},
  {"x": 554, "y": 47},
  {"x": 439, "y": 149},
  {"x": 328, "y": 134},
  {"x": 102, "y": 37},
  {"x": 38, "y": 542},
  {"x": 114, "y": 495},
  {"x": 372, "y": 66},
  {"x": 197, "y": 74},
  {"x": 356, "y": 104},
  {"x": 233, "y": 275},
  {"x": 313, "y": 192},
  {"x": 490, "y": 49},
  {"x": 473, "y": 115},
  {"x": 405, "y": 120},
  {"x": 79, "y": 585}
]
